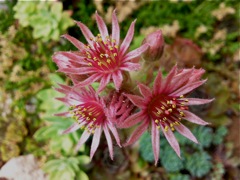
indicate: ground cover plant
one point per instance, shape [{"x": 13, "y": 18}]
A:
[{"x": 196, "y": 36}]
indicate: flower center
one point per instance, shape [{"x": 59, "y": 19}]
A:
[
  {"x": 166, "y": 111},
  {"x": 103, "y": 54},
  {"x": 89, "y": 115}
]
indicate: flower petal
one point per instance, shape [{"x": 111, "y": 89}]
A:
[
  {"x": 65, "y": 114},
  {"x": 72, "y": 128},
  {"x": 144, "y": 90},
  {"x": 127, "y": 40},
  {"x": 89, "y": 80},
  {"x": 104, "y": 81},
  {"x": 172, "y": 140},
  {"x": 95, "y": 141},
  {"x": 137, "y": 100},
  {"x": 117, "y": 79},
  {"x": 168, "y": 79},
  {"x": 186, "y": 132},
  {"x": 129, "y": 66},
  {"x": 101, "y": 26},
  {"x": 196, "y": 101},
  {"x": 75, "y": 42},
  {"x": 193, "y": 118},
  {"x": 157, "y": 83},
  {"x": 135, "y": 53},
  {"x": 137, "y": 133},
  {"x": 188, "y": 88},
  {"x": 132, "y": 120},
  {"x": 115, "y": 134},
  {"x": 155, "y": 142},
  {"x": 84, "y": 137},
  {"x": 109, "y": 141},
  {"x": 115, "y": 28},
  {"x": 86, "y": 32},
  {"x": 79, "y": 71}
]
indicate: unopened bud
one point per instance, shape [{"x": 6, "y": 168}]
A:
[{"x": 156, "y": 44}]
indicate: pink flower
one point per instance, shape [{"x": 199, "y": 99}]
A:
[
  {"x": 92, "y": 113},
  {"x": 103, "y": 59},
  {"x": 165, "y": 107}
]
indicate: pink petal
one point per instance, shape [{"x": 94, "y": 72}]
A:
[
  {"x": 66, "y": 114},
  {"x": 109, "y": 141},
  {"x": 65, "y": 87},
  {"x": 157, "y": 83},
  {"x": 188, "y": 88},
  {"x": 135, "y": 53},
  {"x": 168, "y": 79},
  {"x": 196, "y": 101},
  {"x": 95, "y": 142},
  {"x": 136, "y": 100},
  {"x": 117, "y": 79},
  {"x": 115, "y": 134},
  {"x": 75, "y": 42},
  {"x": 172, "y": 141},
  {"x": 65, "y": 100},
  {"x": 79, "y": 71},
  {"x": 132, "y": 120},
  {"x": 193, "y": 118},
  {"x": 89, "y": 80},
  {"x": 129, "y": 66},
  {"x": 155, "y": 142},
  {"x": 86, "y": 32},
  {"x": 115, "y": 28},
  {"x": 137, "y": 133},
  {"x": 72, "y": 128},
  {"x": 126, "y": 42},
  {"x": 83, "y": 139},
  {"x": 103, "y": 83},
  {"x": 144, "y": 90},
  {"x": 186, "y": 132},
  {"x": 101, "y": 26}
]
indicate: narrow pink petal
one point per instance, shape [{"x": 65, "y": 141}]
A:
[
  {"x": 75, "y": 42},
  {"x": 186, "y": 132},
  {"x": 115, "y": 134},
  {"x": 144, "y": 90},
  {"x": 168, "y": 79},
  {"x": 104, "y": 81},
  {"x": 172, "y": 141},
  {"x": 89, "y": 80},
  {"x": 115, "y": 28},
  {"x": 155, "y": 142},
  {"x": 109, "y": 141},
  {"x": 132, "y": 120},
  {"x": 117, "y": 79},
  {"x": 127, "y": 40},
  {"x": 193, "y": 118},
  {"x": 72, "y": 128},
  {"x": 83, "y": 139},
  {"x": 157, "y": 83},
  {"x": 95, "y": 141},
  {"x": 65, "y": 114},
  {"x": 101, "y": 26},
  {"x": 196, "y": 101},
  {"x": 135, "y": 53},
  {"x": 137, "y": 133},
  {"x": 79, "y": 71},
  {"x": 136, "y": 100},
  {"x": 188, "y": 88},
  {"x": 129, "y": 66},
  {"x": 65, "y": 100},
  {"x": 86, "y": 32}
]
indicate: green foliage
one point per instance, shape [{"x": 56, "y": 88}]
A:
[
  {"x": 145, "y": 148},
  {"x": 47, "y": 19},
  {"x": 198, "y": 164},
  {"x": 66, "y": 168},
  {"x": 204, "y": 136},
  {"x": 219, "y": 135},
  {"x": 179, "y": 177}
]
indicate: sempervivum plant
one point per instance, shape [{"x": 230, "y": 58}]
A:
[
  {"x": 165, "y": 106},
  {"x": 104, "y": 58}
]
